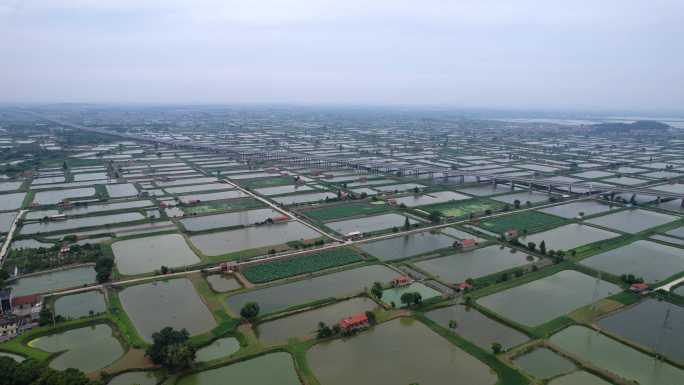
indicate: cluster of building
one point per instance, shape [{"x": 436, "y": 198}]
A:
[{"x": 18, "y": 314}]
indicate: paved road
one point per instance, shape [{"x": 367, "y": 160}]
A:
[
  {"x": 669, "y": 286},
  {"x": 10, "y": 235},
  {"x": 283, "y": 211}
]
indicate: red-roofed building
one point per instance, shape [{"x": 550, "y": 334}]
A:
[
  {"x": 281, "y": 218},
  {"x": 638, "y": 287},
  {"x": 466, "y": 243},
  {"x": 403, "y": 280},
  {"x": 463, "y": 286},
  {"x": 511, "y": 234},
  {"x": 355, "y": 322},
  {"x": 27, "y": 306}
]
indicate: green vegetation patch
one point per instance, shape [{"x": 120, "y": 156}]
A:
[
  {"x": 345, "y": 210},
  {"x": 268, "y": 182},
  {"x": 463, "y": 208},
  {"x": 229, "y": 205},
  {"x": 300, "y": 265},
  {"x": 532, "y": 221}
]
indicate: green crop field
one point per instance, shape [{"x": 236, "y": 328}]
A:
[
  {"x": 268, "y": 182},
  {"x": 300, "y": 265},
  {"x": 345, "y": 210},
  {"x": 213, "y": 206},
  {"x": 531, "y": 221},
  {"x": 463, "y": 208}
]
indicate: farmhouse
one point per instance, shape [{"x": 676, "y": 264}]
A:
[
  {"x": 355, "y": 322},
  {"x": 402, "y": 281}
]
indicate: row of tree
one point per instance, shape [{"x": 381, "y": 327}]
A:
[{"x": 31, "y": 372}]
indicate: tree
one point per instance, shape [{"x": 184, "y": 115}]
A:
[
  {"x": 416, "y": 190},
  {"x": 32, "y": 372},
  {"x": 531, "y": 245},
  {"x": 406, "y": 298},
  {"x": 371, "y": 317},
  {"x": 103, "y": 268},
  {"x": 542, "y": 247},
  {"x": 376, "y": 290},
  {"x": 453, "y": 324},
  {"x": 496, "y": 348},
  {"x": 435, "y": 216},
  {"x": 170, "y": 348},
  {"x": 250, "y": 311},
  {"x": 516, "y": 204},
  {"x": 324, "y": 331},
  {"x": 407, "y": 224}
]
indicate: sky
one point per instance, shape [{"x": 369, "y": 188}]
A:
[{"x": 545, "y": 54}]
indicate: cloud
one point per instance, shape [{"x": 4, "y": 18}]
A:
[{"x": 609, "y": 53}]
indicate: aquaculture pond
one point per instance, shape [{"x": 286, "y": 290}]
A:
[
  {"x": 379, "y": 357},
  {"x": 543, "y": 363},
  {"x": 407, "y": 245},
  {"x": 523, "y": 197},
  {"x": 393, "y": 295},
  {"x": 305, "y": 324},
  {"x": 632, "y": 221},
  {"x": 226, "y": 242},
  {"x": 10, "y": 186},
  {"x": 477, "y": 328},
  {"x": 100, "y": 207},
  {"x": 239, "y": 218},
  {"x": 121, "y": 190},
  {"x": 6, "y": 220},
  {"x": 222, "y": 347},
  {"x": 458, "y": 267},
  {"x": 214, "y": 196},
  {"x": 75, "y": 223},
  {"x": 346, "y": 282},
  {"x": 11, "y": 201},
  {"x": 88, "y": 348},
  {"x": 90, "y": 176},
  {"x": 431, "y": 198},
  {"x": 539, "y": 301},
  {"x": 56, "y": 280},
  {"x": 221, "y": 283},
  {"x": 650, "y": 260},
  {"x": 643, "y": 324},
  {"x": 262, "y": 370},
  {"x": 369, "y": 224},
  {"x": 175, "y": 303},
  {"x": 80, "y": 305},
  {"x": 573, "y": 210},
  {"x": 137, "y": 378},
  {"x": 143, "y": 255},
  {"x": 608, "y": 354},
  {"x": 579, "y": 378},
  {"x": 569, "y": 236},
  {"x": 56, "y": 196},
  {"x": 278, "y": 190},
  {"x": 304, "y": 198},
  {"x": 198, "y": 187}
]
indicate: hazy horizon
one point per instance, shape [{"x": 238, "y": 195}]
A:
[{"x": 581, "y": 56}]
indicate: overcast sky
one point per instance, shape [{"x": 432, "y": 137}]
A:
[{"x": 567, "y": 54}]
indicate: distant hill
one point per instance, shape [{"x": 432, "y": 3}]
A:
[{"x": 639, "y": 125}]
